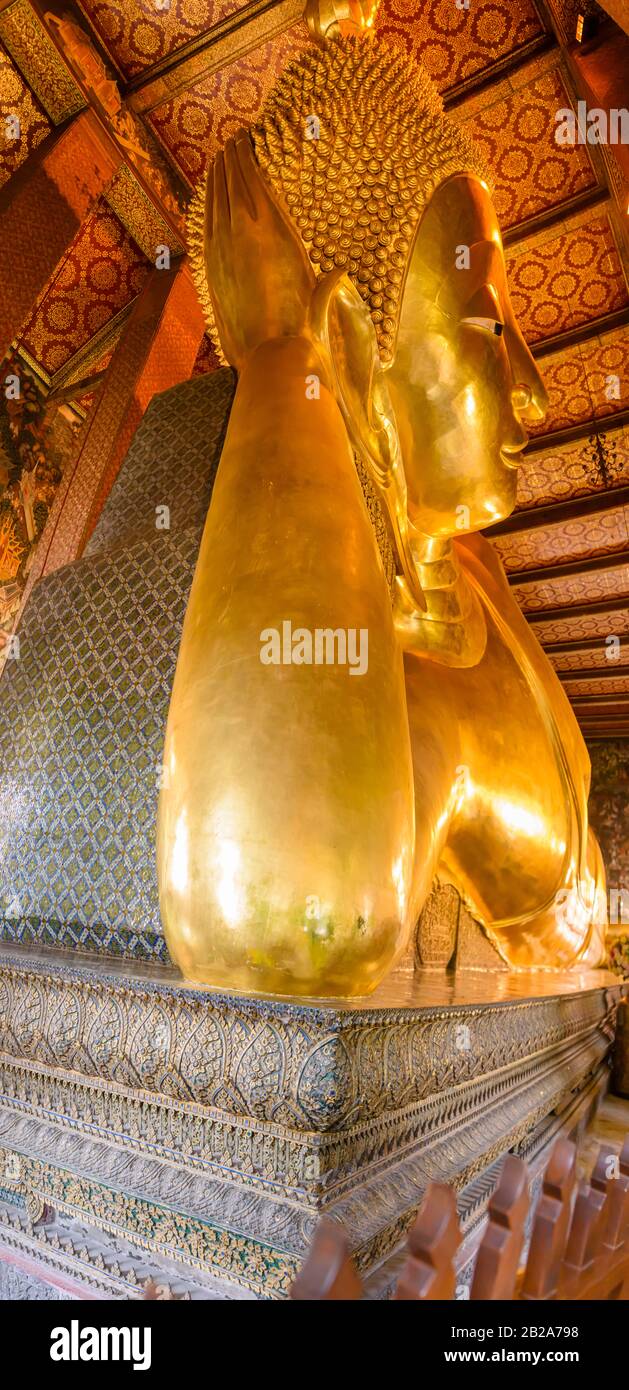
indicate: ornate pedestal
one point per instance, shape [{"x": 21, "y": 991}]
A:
[{"x": 152, "y": 1130}]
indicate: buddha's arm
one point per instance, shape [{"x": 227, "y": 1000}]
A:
[
  {"x": 286, "y": 824},
  {"x": 481, "y": 560}
]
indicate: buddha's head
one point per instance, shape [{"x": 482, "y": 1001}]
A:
[{"x": 394, "y": 207}]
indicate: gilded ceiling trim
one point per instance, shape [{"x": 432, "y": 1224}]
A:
[
  {"x": 139, "y": 216},
  {"x": 35, "y": 367},
  {"x": 88, "y": 354},
  {"x": 233, "y": 38},
  {"x": 78, "y": 366},
  {"x": 501, "y": 70},
  {"x": 565, "y": 219},
  {"x": 40, "y": 63}
]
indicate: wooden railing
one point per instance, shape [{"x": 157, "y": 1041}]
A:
[{"x": 579, "y": 1246}]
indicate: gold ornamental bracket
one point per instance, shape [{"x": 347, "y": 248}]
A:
[{"x": 329, "y": 19}]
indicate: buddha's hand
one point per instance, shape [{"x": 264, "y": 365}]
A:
[{"x": 258, "y": 272}]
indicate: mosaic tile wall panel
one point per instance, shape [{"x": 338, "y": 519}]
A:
[
  {"x": 159, "y": 470},
  {"x": 455, "y": 44},
  {"x": 561, "y": 281},
  {"x": 16, "y": 100},
  {"x": 158, "y": 351},
  {"x": 83, "y": 708},
  {"x": 515, "y": 132},
  {"x": 138, "y": 35},
  {"x": 609, "y": 806},
  {"x": 574, "y": 470},
  {"x": 195, "y": 124}
]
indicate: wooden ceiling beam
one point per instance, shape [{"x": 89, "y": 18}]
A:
[
  {"x": 230, "y": 39},
  {"x": 503, "y": 67},
  {"x": 581, "y": 644},
  {"x": 554, "y": 216},
  {"x": 602, "y": 733},
  {"x": 541, "y": 443},
  {"x": 250, "y": 27},
  {"x": 594, "y": 609},
  {"x": 611, "y": 704},
  {"x": 584, "y": 333},
  {"x": 592, "y": 566},
  {"x": 574, "y": 509},
  {"x": 602, "y": 673}
]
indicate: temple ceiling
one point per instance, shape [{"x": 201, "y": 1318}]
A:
[
  {"x": 170, "y": 80},
  {"x": 137, "y": 36},
  {"x": 103, "y": 271}
]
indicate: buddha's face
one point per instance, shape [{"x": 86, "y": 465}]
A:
[{"x": 462, "y": 381}]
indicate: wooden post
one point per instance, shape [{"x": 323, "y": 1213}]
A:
[
  {"x": 328, "y": 1273},
  {"x": 429, "y": 1271},
  {"x": 497, "y": 1261},
  {"x": 551, "y": 1224}
]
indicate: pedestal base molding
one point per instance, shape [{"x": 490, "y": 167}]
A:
[{"x": 211, "y": 1131}]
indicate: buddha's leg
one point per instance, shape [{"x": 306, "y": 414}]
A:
[{"x": 286, "y": 824}]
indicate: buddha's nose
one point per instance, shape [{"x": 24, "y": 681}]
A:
[{"x": 528, "y": 396}]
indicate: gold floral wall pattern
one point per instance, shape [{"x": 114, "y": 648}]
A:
[
  {"x": 515, "y": 133},
  {"x": 573, "y": 470},
  {"x": 455, "y": 44},
  {"x": 138, "y": 35},
  {"x": 23, "y": 122},
  {"x": 195, "y": 124},
  {"x": 102, "y": 272},
  {"x": 566, "y": 278},
  {"x": 569, "y": 540}
]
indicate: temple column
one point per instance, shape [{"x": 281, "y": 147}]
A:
[
  {"x": 41, "y": 209},
  {"x": 157, "y": 350}
]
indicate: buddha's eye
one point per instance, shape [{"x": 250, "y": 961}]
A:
[{"x": 489, "y": 325}]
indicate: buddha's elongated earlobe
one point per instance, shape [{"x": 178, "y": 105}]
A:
[{"x": 341, "y": 325}]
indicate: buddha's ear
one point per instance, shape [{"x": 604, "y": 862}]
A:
[{"x": 342, "y": 326}]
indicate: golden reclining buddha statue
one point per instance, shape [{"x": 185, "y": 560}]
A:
[{"x": 359, "y": 707}]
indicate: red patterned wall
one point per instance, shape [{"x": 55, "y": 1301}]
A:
[
  {"x": 515, "y": 130},
  {"x": 194, "y": 125},
  {"x": 102, "y": 272},
  {"x": 455, "y": 44},
  {"x": 560, "y": 281},
  {"x": 138, "y": 35},
  {"x": 16, "y": 99}
]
